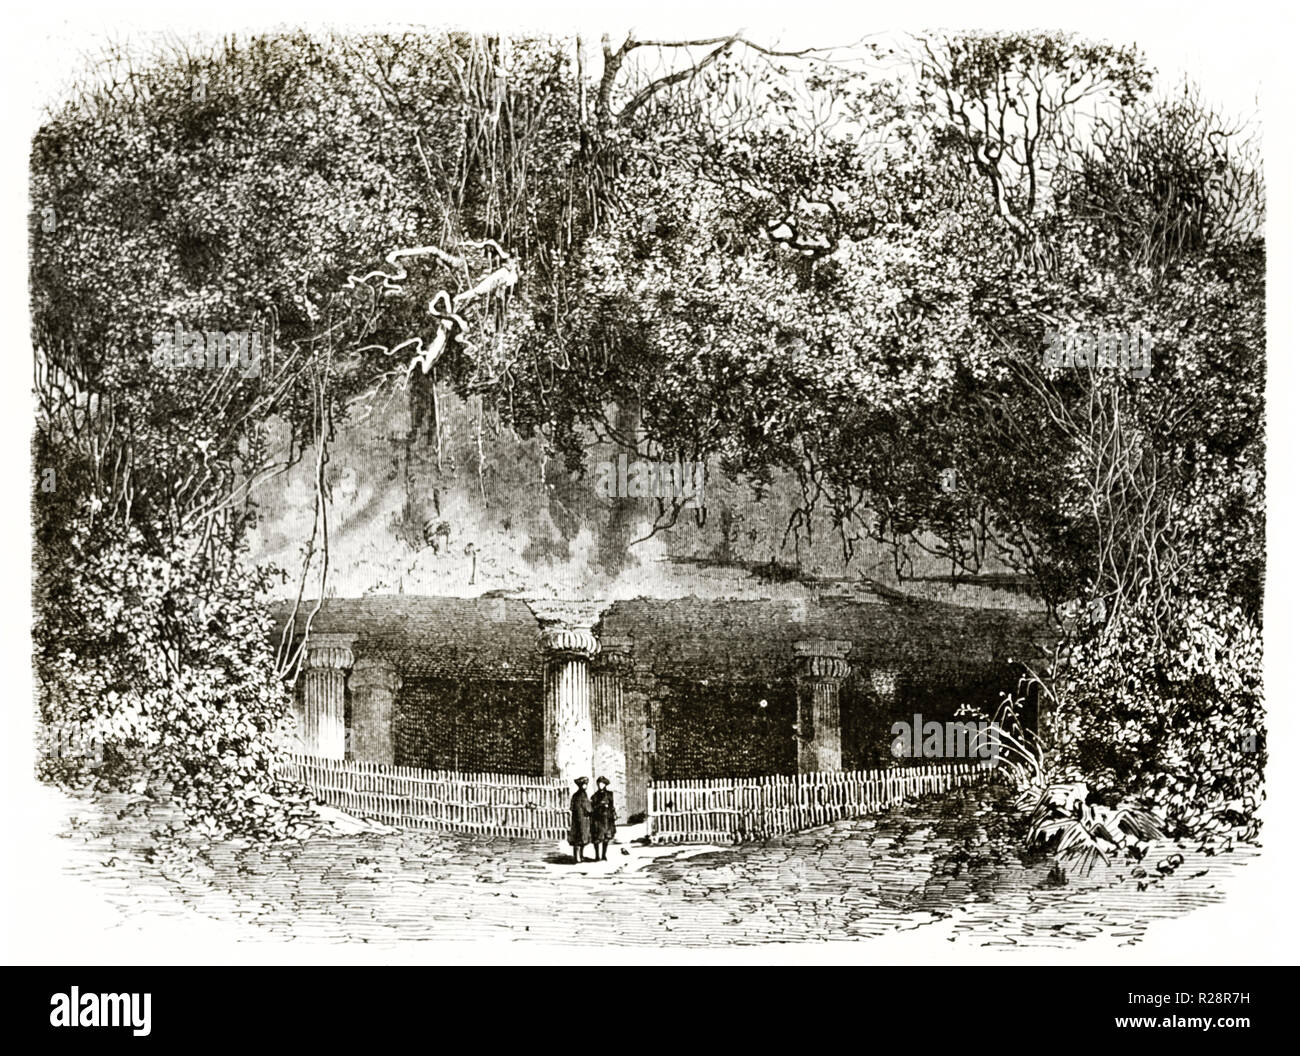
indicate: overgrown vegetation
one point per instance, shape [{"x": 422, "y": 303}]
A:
[{"x": 806, "y": 264}]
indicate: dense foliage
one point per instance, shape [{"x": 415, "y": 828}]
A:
[{"x": 849, "y": 275}]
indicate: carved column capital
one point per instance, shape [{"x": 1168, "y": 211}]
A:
[
  {"x": 823, "y": 659},
  {"x": 330, "y": 651},
  {"x": 375, "y": 673},
  {"x": 577, "y": 642},
  {"x": 615, "y": 653},
  {"x": 824, "y": 668},
  {"x": 567, "y": 627}
]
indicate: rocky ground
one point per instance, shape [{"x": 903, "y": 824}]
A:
[{"x": 954, "y": 862}]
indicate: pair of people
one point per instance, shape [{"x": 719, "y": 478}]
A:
[{"x": 591, "y": 820}]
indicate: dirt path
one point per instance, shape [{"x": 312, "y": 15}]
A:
[{"x": 954, "y": 860}]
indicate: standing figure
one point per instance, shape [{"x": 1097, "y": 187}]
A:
[
  {"x": 579, "y": 820},
  {"x": 602, "y": 818}
]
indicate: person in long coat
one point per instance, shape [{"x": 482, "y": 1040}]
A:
[
  {"x": 579, "y": 820},
  {"x": 602, "y": 818}
]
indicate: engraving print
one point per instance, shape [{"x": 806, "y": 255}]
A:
[{"x": 686, "y": 491}]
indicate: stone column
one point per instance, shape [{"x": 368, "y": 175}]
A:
[
  {"x": 608, "y": 717},
  {"x": 324, "y": 687},
  {"x": 821, "y": 670},
  {"x": 374, "y": 684},
  {"x": 568, "y": 646},
  {"x": 636, "y": 748}
]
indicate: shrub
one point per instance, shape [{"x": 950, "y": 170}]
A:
[
  {"x": 164, "y": 660},
  {"x": 1173, "y": 720}
]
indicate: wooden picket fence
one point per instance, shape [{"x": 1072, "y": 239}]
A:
[
  {"x": 735, "y": 809},
  {"x": 413, "y": 798}
]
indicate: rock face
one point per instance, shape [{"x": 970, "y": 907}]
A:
[{"x": 481, "y": 511}]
